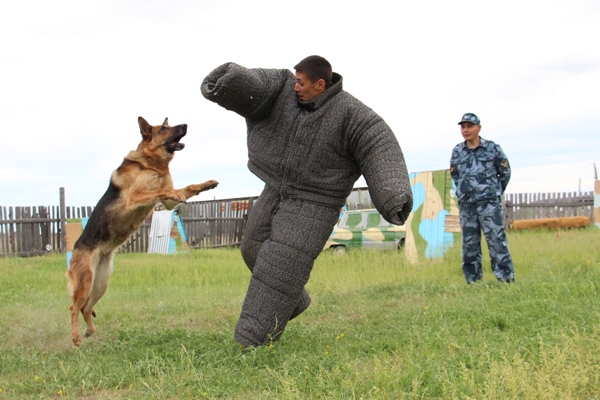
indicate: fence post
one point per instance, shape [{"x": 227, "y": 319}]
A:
[
  {"x": 63, "y": 221},
  {"x": 504, "y": 204}
]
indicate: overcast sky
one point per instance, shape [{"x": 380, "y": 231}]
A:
[{"x": 75, "y": 76}]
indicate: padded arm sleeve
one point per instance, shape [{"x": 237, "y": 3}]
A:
[
  {"x": 382, "y": 164},
  {"x": 248, "y": 92}
]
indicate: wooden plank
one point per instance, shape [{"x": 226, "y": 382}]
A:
[
  {"x": 55, "y": 236},
  {"x": 36, "y": 231},
  {"x": 552, "y": 223},
  {"x": 521, "y": 202},
  {"x": 510, "y": 211},
  {"x": 452, "y": 223},
  {"x": 12, "y": 232},
  {"x": 544, "y": 210},
  {"x": 63, "y": 221},
  {"x": 199, "y": 228},
  {"x": 26, "y": 245},
  {"x": 2, "y": 234},
  {"x": 18, "y": 229},
  {"x": 4, "y": 231}
]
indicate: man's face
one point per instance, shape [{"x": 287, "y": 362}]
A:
[
  {"x": 307, "y": 89},
  {"x": 469, "y": 130}
]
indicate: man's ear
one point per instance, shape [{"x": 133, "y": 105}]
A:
[{"x": 321, "y": 85}]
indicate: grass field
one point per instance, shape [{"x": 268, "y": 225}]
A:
[{"x": 378, "y": 328}]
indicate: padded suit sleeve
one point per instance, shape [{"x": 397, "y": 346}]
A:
[
  {"x": 382, "y": 164},
  {"x": 248, "y": 92}
]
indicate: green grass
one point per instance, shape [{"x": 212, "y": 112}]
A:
[{"x": 378, "y": 328}]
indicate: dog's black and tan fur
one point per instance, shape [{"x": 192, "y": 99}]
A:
[{"x": 141, "y": 182}]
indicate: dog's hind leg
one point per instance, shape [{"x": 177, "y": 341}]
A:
[
  {"x": 80, "y": 278},
  {"x": 99, "y": 286}
]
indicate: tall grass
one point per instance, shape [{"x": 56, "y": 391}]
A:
[{"x": 378, "y": 328}]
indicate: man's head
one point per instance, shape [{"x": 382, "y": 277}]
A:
[
  {"x": 313, "y": 77},
  {"x": 470, "y": 126}
]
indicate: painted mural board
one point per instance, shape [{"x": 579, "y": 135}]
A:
[
  {"x": 433, "y": 226},
  {"x": 167, "y": 233}
]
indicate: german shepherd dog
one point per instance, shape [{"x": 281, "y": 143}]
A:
[{"x": 141, "y": 182}]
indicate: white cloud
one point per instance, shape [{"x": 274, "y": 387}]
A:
[{"x": 76, "y": 75}]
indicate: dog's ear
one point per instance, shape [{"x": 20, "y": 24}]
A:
[
  {"x": 145, "y": 128},
  {"x": 166, "y": 123}
]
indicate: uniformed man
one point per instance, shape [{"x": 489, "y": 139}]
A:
[{"x": 481, "y": 172}]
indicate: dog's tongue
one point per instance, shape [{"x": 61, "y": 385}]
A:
[{"x": 177, "y": 146}]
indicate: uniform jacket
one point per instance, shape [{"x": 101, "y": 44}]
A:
[
  {"x": 480, "y": 174},
  {"x": 313, "y": 151}
]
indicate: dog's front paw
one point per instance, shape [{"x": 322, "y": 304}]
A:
[
  {"x": 201, "y": 187},
  {"x": 210, "y": 184}
]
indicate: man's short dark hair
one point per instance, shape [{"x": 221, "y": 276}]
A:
[{"x": 315, "y": 68}]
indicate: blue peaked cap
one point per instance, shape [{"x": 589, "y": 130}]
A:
[{"x": 470, "y": 117}]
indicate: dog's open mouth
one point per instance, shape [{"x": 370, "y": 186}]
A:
[{"x": 173, "y": 143}]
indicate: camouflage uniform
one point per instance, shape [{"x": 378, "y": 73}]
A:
[{"x": 481, "y": 176}]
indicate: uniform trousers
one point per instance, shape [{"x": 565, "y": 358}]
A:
[{"x": 486, "y": 216}]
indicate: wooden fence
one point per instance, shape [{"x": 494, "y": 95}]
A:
[
  {"x": 216, "y": 223},
  {"x": 521, "y": 206},
  {"x": 31, "y": 231}
]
